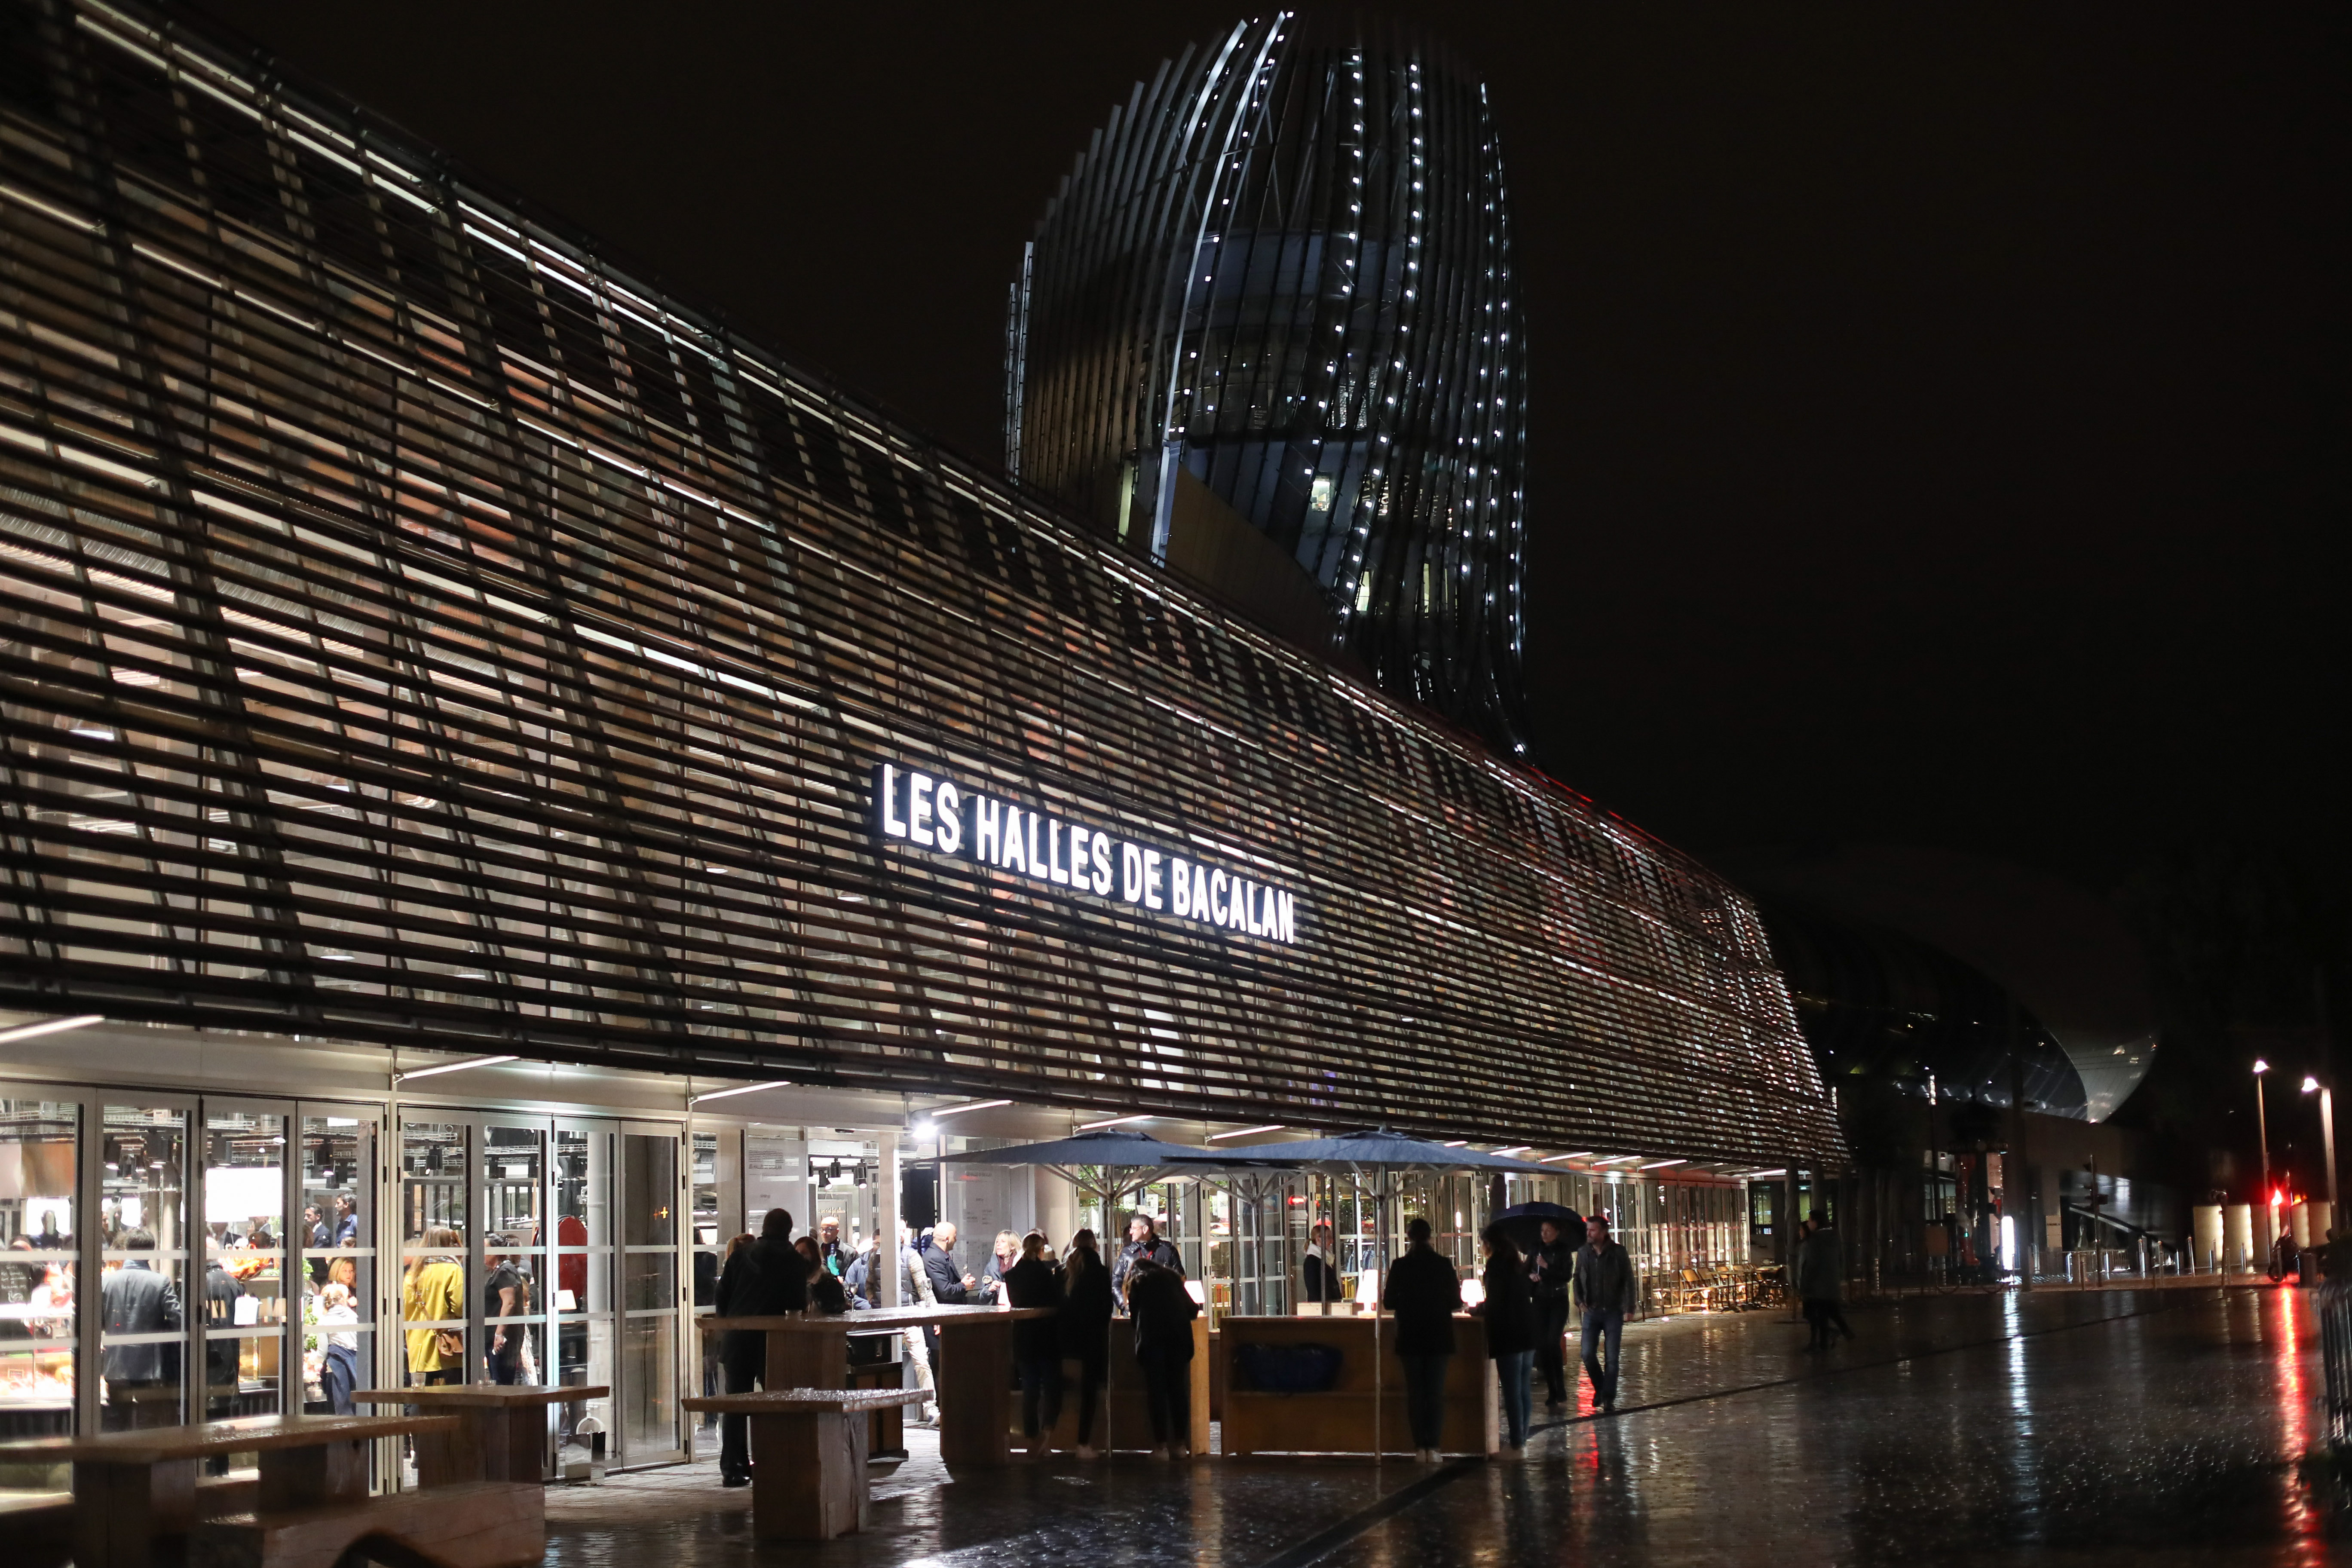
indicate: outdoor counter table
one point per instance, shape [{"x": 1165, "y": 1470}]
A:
[
  {"x": 1367, "y": 1396},
  {"x": 131, "y": 1488},
  {"x": 502, "y": 1430},
  {"x": 975, "y": 1375}
]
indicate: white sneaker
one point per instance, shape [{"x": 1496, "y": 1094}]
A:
[
  {"x": 1086, "y": 1453},
  {"x": 1430, "y": 1457},
  {"x": 1160, "y": 1450}
]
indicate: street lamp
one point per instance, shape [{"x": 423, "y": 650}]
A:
[
  {"x": 2327, "y": 1136},
  {"x": 2262, "y": 1130}
]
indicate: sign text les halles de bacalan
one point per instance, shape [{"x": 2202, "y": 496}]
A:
[{"x": 937, "y": 814}]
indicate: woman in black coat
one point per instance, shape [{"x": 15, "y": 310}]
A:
[
  {"x": 1036, "y": 1342},
  {"x": 1163, "y": 1312},
  {"x": 1512, "y": 1328},
  {"x": 1086, "y": 1303}
]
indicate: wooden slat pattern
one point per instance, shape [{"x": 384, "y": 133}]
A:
[{"x": 413, "y": 630}]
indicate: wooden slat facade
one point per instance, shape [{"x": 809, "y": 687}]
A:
[{"x": 413, "y": 631}]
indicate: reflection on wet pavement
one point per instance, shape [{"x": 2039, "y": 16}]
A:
[{"x": 2157, "y": 1425}]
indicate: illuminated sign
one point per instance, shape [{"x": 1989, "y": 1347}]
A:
[{"x": 929, "y": 812}]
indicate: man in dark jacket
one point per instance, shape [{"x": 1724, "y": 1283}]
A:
[
  {"x": 1143, "y": 1241},
  {"x": 143, "y": 1381},
  {"x": 765, "y": 1279},
  {"x": 1550, "y": 1269},
  {"x": 1604, "y": 1288},
  {"x": 1424, "y": 1292}
]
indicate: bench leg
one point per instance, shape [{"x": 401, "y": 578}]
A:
[
  {"x": 295, "y": 1478},
  {"x": 808, "y": 1475},
  {"x": 121, "y": 1512}
]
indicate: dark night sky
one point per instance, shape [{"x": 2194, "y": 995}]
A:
[{"x": 1940, "y": 420}]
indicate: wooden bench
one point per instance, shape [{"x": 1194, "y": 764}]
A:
[
  {"x": 504, "y": 1433},
  {"x": 137, "y": 1490},
  {"x": 474, "y": 1524},
  {"x": 809, "y": 1480},
  {"x": 39, "y": 1528}
]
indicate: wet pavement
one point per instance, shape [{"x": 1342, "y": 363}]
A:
[{"x": 2155, "y": 1426}]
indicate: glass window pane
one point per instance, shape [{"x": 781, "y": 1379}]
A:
[
  {"x": 339, "y": 1172},
  {"x": 513, "y": 1302},
  {"x": 583, "y": 1300},
  {"x": 40, "y": 1161},
  {"x": 142, "y": 1211},
  {"x": 433, "y": 1293},
  {"x": 649, "y": 1304},
  {"x": 245, "y": 1261}
]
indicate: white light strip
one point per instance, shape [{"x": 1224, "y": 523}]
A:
[
  {"x": 1753, "y": 1174},
  {"x": 48, "y": 1026},
  {"x": 1556, "y": 1158},
  {"x": 1244, "y": 1132},
  {"x": 960, "y": 1109},
  {"x": 738, "y": 1089},
  {"x": 1662, "y": 1165},
  {"x": 1615, "y": 1159},
  {"x": 1114, "y": 1122},
  {"x": 455, "y": 1067},
  {"x": 1457, "y": 1144},
  {"x": 1516, "y": 1149}
]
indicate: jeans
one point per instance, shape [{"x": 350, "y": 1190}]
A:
[
  {"x": 1168, "y": 1391},
  {"x": 1551, "y": 1347},
  {"x": 1424, "y": 1399},
  {"x": 734, "y": 1431},
  {"x": 1041, "y": 1385},
  {"x": 1599, "y": 1325},
  {"x": 1513, "y": 1368},
  {"x": 340, "y": 1378}
]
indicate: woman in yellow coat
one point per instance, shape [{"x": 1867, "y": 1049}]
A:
[{"x": 432, "y": 1290}]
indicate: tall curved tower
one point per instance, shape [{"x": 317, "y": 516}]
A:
[{"x": 1277, "y": 284}]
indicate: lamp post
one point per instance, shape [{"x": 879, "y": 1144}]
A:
[
  {"x": 2327, "y": 1135},
  {"x": 2262, "y": 1131}
]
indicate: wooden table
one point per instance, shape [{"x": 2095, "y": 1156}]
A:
[
  {"x": 808, "y": 1457},
  {"x": 132, "y": 1487},
  {"x": 502, "y": 1435},
  {"x": 974, "y": 1377}
]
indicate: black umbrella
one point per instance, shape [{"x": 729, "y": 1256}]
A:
[{"x": 1523, "y": 1224}]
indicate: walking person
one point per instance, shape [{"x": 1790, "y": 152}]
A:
[
  {"x": 765, "y": 1279},
  {"x": 1512, "y": 1324},
  {"x": 1084, "y": 1325},
  {"x": 1602, "y": 1290},
  {"x": 1036, "y": 1342},
  {"x": 1550, "y": 1267},
  {"x": 338, "y": 1372},
  {"x": 915, "y": 1282},
  {"x": 1820, "y": 1270},
  {"x": 1424, "y": 1292},
  {"x": 1163, "y": 1312}
]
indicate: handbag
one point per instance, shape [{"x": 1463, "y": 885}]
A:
[{"x": 450, "y": 1345}]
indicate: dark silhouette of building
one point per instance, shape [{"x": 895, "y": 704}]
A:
[{"x": 1274, "y": 293}]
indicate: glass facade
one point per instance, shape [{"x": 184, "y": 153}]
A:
[{"x": 1283, "y": 270}]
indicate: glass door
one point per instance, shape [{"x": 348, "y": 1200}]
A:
[
  {"x": 334, "y": 1240},
  {"x": 242, "y": 1291},
  {"x": 40, "y": 1240},
  {"x": 143, "y": 1218},
  {"x": 581, "y": 1305},
  {"x": 653, "y": 1194},
  {"x": 511, "y": 1306},
  {"x": 434, "y": 1212}
]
